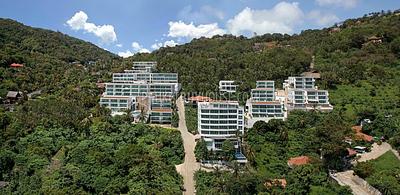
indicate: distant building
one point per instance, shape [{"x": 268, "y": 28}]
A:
[
  {"x": 298, "y": 161},
  {"x": 15, "y": 65},
  {"x": 13, "y": 96},
  {"x": 219, "y": 121},
  {"x": 227, "y": 86}
]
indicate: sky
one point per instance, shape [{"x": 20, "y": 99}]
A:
[{"x": 126, "y": 27}]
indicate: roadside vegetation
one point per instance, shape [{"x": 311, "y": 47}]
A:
[
  {"x": 191, "y": 119},
  {"x": 382, "y": 173}
]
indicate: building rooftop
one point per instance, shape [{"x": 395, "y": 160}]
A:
[
  {"x": 300, "y": 160},
  {"x": 15, "y": 65},
  {"x": 361, "y": 135},
  {"x": 200, "y": 99},
  {"x": 351, "y": 152},
  {"x": 13, "y": 94}
]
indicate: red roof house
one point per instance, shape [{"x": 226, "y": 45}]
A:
[
  {"x": 360, "y": 135},
  {"x": 297, "y": 161},
  {"x": 15, "y": 65}
]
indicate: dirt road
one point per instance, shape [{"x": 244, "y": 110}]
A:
[{"x": 190, "y": 165}]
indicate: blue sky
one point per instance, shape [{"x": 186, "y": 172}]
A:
[{"x": 128, "y": 26}]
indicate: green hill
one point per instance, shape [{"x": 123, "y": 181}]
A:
[{"x": 46, "y": 56}]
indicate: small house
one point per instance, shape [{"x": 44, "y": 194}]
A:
[{"x": 13, "y": 96}]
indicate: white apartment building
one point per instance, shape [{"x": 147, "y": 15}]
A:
[
  {"x": 265, "y": 84},
  {"x": 299, "y": 83},
  {"x": 146, "y": 76},
  {"x": 264, "y": 111},
  {"x": 227, "y": 86},
  {"x": 161, "y": 111},
  {"x": 140, "y": 88},
  {"x": 145, "y": 66},
  {"x": 219, "y": 121},
  {"x": 309, "y": 99},
  {"x": 143, "y": 92},
  {"x": 118, "y": 104},
  {"x": 302, "y": 94},
  {"x": 264, "y": 105}
]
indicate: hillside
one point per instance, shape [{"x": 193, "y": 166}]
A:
[
  {"x": 46, "y": 56},
  {"x": 65, "y": 143}
]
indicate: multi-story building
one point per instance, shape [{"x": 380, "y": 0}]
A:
[
  {"x": 219, "y": 121},
  {"x": 146, "y": 76},
  {"x": 265, "y": 84},
  {"x": 143, "y": 66},
  {"x": 263, "y": 94},
  {"x": 309, "y": 99},
  {"x": 227, "y": 86},
  {"x": 299, "y": 83},
  {"x": 149, "y": 95},
  {"x": 304, "y": 95},
  {"x": 263, "y": 104},
  {"x": 161, "y": 111},
  {"x": 118, "y": 104},
  {"x": 140, "y": 88}
]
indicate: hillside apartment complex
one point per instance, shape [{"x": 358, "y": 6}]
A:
[
  {"x": 143, "y": 92},
  {"x": 266, "y": 103}
]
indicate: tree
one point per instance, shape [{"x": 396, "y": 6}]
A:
[
  {"x": 228, "y": 150},
  {"x": 201, "y": 151}
]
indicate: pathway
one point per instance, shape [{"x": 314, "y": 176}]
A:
[
  {"x": 377, "y": 151},
  {"x": 189, "y": 166},
  {"x": 357, "y": 185}
]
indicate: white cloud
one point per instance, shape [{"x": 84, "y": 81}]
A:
[
  {"x": 125, "y": 54},
  {"x": 323, "y": 19},
  {"x": 118, "y": 45},
  {"x": 105, "y": 32},
  {"x": 205, "y": 14},
  {"x": 282, "y": 18},
  {"x": 156, "y": 46},
  {"x": 338, "y": 3},
  {"x": 144, "y": 50},
  {"x": 136, "y": 47},
  {"x": 181, "y": 29},
  {"x": 170, "y": 43}
]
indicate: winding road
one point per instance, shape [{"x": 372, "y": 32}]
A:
[{"x": 189, "y": 166}]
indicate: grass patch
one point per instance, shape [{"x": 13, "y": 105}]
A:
[
  {"x": 382, "y": 173},
  {"x": 387, "y": 161}
]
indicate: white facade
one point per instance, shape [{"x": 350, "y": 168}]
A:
[
  {"x": 264, "y": 105},
  {"x": 265, "y": 84},
  {"x": 299, "y": 83},
  {"x": 302, "y": 94},
  {"x": 146, "y": 76},
  {"x": 148, "y": 93},
  {"x": 227, "y": 86},
  {"x": 309, "y": 99},
  {"x": 118, "y": 104},
  {"x": 145, "y": 66},
  {"x": 219, "y": 121}
]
